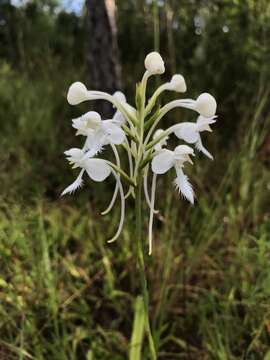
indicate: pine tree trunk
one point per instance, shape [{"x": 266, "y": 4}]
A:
[{"x": 103, "y": 57}]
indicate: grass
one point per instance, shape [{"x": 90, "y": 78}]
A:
[{"x": 67, "y": 294}]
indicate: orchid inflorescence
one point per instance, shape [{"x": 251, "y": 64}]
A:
[{"x": 135, "y": 129}]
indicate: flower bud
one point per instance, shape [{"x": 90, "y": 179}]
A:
[
  {"x": 77, "y": 93},
  {"x": 120, "y": 96},
  {"x": 206, "y": 105},
  {"x": 178, "y": 83},
  {"x": 154, "y": 63}
]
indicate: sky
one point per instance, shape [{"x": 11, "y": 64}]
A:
[
  {"x": 69, "y": 5},
  {"x": 73, "y": 5}
]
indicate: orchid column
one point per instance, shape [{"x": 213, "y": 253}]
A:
[{"x": 136, "y": 130}]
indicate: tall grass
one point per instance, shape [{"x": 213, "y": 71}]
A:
[{"x": 66, "y": 294}]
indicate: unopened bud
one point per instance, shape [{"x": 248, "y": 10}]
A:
[
  {"x": 206, "y": 105},
  {"x": 77, "y": 93},
  {"x": 154, "y": 63}
]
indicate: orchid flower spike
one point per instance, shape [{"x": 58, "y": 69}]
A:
[
  {"x": 136, "y": 131},
  {"x": 154, "y": 63},
  {"x": 98, "y": 132},
  {"x": 166, "y": 159},
  {"x": 190, "y": 132}
]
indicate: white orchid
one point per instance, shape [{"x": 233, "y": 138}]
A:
[
  {"x": 98, "y": 170},
  {"x": 190, "y": 132},
  {"x": 98, "y": 132},
  {"x": 136, "y": 131},
  {"x": 166, "y": 159}
]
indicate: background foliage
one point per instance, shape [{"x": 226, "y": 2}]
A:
[{"x": 65, "y": 293}]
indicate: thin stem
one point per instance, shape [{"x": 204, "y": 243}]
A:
[
  {"x": 117, "y": 159},
  {"x": 140, "y": 255},
  {"x": 122, "y": 173},
  {"x": 146, "y": 193},
  {"x": 184, "y": 103},
  {"x": 154, "y": 97},
  {"x": 100, "y": 95},
  {"x": 110, "y": 206},
  {"x": 152, "y": 211},
  {"x": 122, "y": 217}
]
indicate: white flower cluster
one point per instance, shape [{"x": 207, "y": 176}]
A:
[{"x": 135, "y": 129}]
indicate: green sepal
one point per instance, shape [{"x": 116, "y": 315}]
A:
[{"x": 138, "y": 98}]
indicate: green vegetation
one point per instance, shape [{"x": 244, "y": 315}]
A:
[{"x": 67, "y": 294}]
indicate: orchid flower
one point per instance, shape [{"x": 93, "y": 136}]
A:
[
  {"x": 166, "y": 159},
  {"x": 98, "y": 132},
  {"x": 190, "y": 132},
  {"x": 98, "y": 170},
  {"x": 135, "y": 129},
  {"x": 163, "y": 162}
]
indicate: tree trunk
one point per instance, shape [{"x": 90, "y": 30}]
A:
[{"x": 103, "y": 57}]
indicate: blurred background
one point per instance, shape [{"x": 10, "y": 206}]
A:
[{"x": 64, "y": 292}]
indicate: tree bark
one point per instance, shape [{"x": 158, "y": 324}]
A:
[{"x": 103, "y": 56}]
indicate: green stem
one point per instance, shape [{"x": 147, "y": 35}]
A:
[{"x": 141, "y": 263}]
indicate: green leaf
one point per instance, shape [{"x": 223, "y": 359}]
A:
[{"x": 138, "y": 330}]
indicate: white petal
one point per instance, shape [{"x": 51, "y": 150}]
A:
[
  {"x": 183, "y": 150},
  {"x": 74, "y": 152},
  {"x": 178, "y": 83},
  {"x": 75, "y": 185},
  {"x": 187, "y": 132},
  {"x": 95, "y": 141},
  {"x": 119, "y": 118},
  {"x": 162, "y": 162},
  {"x": 74, "y": 155},
  {"x": 120, "y": 96},
  {"x": 199, "y": 146},
  {"x": 97, "y": 169},
  {"x": 182, "y": 153},
  {"x": 77, "y": 93},
  {"x": 203, "y": 123},
  {"x": 183, "y": 185},
  {"x": 114, "y": 133},
  {"x": 154, "y": 63},
  {"x": 206, "y": 105}
]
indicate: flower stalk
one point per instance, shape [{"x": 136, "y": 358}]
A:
[{"x": 141, "y": 265}]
